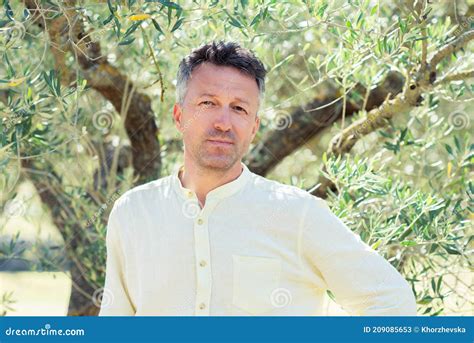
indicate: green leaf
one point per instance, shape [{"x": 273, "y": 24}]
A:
[
  {"x": 433, "y": 247},
  {"x": 425, "y": 300},
  {"x": 403, "y": 25},
  {"x": 438, "y": 286},
  {"x": 8, "y": 10},
  {"x": 179, "y": 12},
  {"x": 403, "y": 134},
  {"x": 169, "y": 4},
  {"x": 322, "y": 9},
  {"x": 361, "y": 14},
  {"x": 408, "y": 243},
  {"x": 233, "y": 21},
  {"x": 108, "y": 19},
  {"x": 256, "y": 19},
  {"x": 376, "y": 244},
  {"x": 170, "y": 11},
  {"x": 449, "y": 149},
  {"x": 386, "y": 134},
  {"x": 451, "y": 249},
  {"x": 112, "y": 8},
  {"x": 331, "y": 295},
  {"x": 177, "y": 25},
  {"x": 457, "y": 143},
  {"x": 117, "y": 27},
  {"x": 157, "y": 26},
  {"x": 132, "y": 29},
  {"x": 57, "y": 84},
  {"x": 47, "y": 80},
  {"x": 428, "y": 310},
  {"x": 126, "y": 41},
  {"x": 373, "y": 10}
]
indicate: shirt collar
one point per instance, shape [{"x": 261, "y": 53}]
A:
[{"x": 220, "y": 192}]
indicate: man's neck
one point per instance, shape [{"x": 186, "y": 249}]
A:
[{"x": 202, "y": 181}]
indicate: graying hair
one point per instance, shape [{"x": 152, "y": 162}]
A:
[{"x": 222, "y": 53}]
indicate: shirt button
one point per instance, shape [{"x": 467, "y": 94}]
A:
[
  {"x": 202, "y": 306},
  {"x": 190, "y": 194},
  {"x": 200, "y": 221},
  {"x": 202, "y": 263}
]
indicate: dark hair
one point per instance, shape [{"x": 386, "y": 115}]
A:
[{"x": 222, "y": 53}]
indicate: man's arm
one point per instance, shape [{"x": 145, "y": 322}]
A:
[
  {"x": 115, "y": 289},
  {"x": 363, "y": 282}
]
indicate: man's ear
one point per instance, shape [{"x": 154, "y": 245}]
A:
[
  {"x": 178, "y": 116},
  {"x": 256, "y": 126}
]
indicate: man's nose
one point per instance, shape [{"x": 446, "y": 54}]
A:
[{"x": 223, "y": 120}]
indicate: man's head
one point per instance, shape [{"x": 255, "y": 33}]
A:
[{"x": 219, "y": 90}]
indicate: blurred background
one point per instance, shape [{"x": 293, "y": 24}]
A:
[{"x": 369, "y": 105}]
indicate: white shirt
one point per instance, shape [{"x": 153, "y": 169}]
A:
[{"x": 258, "y": 247}]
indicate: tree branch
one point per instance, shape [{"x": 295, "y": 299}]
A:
[
  {"x": 51, "y": 195},
  {"x": 463, "y": 75},
  {"x": 418, "y": 83},
  {"x": 311, "y": 119},
  {"x": 67, "y": 33},
  {"x": 451, "y": 47}
]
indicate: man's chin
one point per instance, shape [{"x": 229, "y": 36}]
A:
[{"x": 217, "y": 163}]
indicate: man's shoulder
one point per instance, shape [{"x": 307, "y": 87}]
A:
[
  {"x": 153, "y": 188},
  {"x": 281, "y": 191}
]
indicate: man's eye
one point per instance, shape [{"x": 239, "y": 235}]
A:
[
  {"x": 240, "y": 109},
  {"x": 207, "y": 103}
]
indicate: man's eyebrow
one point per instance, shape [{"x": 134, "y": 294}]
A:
[
  {"x": 214, "y": 96},
  {"x": 242, "y": 100}
]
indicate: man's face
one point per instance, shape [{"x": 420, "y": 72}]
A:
[{"x": 218, "y": 118}]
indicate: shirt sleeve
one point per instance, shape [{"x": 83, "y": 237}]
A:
[
  {"x": 362, "y": 281},
  {"x": 115, "y": 299}
]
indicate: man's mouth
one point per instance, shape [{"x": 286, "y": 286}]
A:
[{"x": 220, "y": 142}]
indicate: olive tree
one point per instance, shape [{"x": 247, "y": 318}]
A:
[{"x": 367, "y": 106}]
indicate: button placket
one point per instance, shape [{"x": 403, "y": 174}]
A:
[{"x": 203, "y": 272}]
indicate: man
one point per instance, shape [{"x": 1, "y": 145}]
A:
[{"x": 217, "y": 239}]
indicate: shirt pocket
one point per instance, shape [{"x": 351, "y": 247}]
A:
[{"x": 254, "y": 280}]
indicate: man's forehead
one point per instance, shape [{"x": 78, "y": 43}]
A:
[
  {"x": 222, "y": 85},
  {"x": 209, "y": 68},
  {"x": 211, "y": 73}
]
